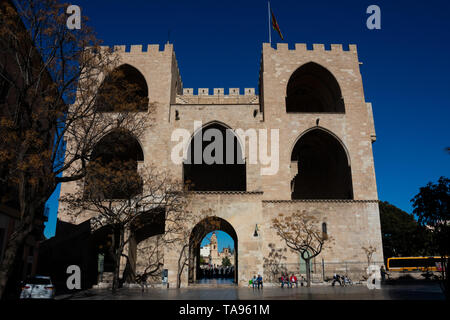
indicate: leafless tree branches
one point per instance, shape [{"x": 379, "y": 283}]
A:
[
  {"x": 49, "y": 117},
  {"x": 302, "y": 234},
  {"x": 162, "y": 200}
]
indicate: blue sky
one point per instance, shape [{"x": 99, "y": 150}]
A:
[
  {"x": 223, "y": 240},
  {"x": 405, "y": 65}
]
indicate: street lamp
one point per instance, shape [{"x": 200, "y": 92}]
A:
[{"x": 255, "y": 234}]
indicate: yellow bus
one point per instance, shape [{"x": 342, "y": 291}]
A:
[{"x": 414, "y": 264}]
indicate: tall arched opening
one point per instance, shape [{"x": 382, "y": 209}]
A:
[
  {"x": 321, "y": 168},
  {"x": 124, "y": 89},
  {"x": 203, "y": 228},
  {"x": 112, "y": 170},
  {"x": 215, "y": 161},
  {"x": 312, "y": 88},
  {"x": 145, "y": 250}
]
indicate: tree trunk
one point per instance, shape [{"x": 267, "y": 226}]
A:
[
  {"x": 181, "y": 264},
  {"x": 179, "y": 279},
  {"x": 308, "y": 273},
  {"x": 119, "y": 251},
  {"x": 12, "y": 247},
  {"x": 179, "y": 272}
]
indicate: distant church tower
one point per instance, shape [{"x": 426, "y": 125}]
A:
[
  {"x": 214, "y": 253},
  {"x": 213, "y": 241}
]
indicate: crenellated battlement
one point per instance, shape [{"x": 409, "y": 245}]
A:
[
  {"x": 218, "y": 92},
  {"x": 218, "y": 96},
  {"x": 318, "y": 47},
  {"x": 140, "y": 49}
]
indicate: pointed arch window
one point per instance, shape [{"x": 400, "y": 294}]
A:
[
  {"x": 323, "y": 168},
  {"x": 312, "y": 88}
]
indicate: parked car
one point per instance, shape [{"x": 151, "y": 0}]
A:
[{"x": 38, "y": 287}]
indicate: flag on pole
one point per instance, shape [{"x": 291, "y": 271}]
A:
[{"x": 275, "y": 25}]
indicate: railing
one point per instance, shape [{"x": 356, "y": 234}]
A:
[{"x": 320, "y": 270}]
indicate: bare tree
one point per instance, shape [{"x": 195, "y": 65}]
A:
[
  {"x": 152, "y": 259},
  {"x": 369, "y": 251},
  {"x": 49, "y": 81},
  {"x": 302, "y": 234},
  {"x": 162, "y": 198}
]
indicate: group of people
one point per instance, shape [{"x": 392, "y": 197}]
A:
[
  {"x": 256, "y": 282},
  {"x": 216, "y": 272},
  {"x": 288, "y": 281},
  {"x": 342, "y": 280}
]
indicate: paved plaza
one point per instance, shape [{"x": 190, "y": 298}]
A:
[{"x": 413, "y": 291}]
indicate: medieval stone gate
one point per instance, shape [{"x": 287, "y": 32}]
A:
[{"x": 314, "y": 99}]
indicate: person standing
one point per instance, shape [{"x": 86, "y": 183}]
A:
[
  {"x": 255, "y": 282},
  {"x": 286, "y": 279},
  {"x": 100, "y": 265},
  {"x": 383, "y": 274}
]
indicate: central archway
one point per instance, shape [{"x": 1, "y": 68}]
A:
[{"x": 202, "y": 228}]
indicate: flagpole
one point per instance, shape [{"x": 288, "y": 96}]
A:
[{"x": 270, "y": 33}]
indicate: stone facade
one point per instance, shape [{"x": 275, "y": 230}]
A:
[{"x": 353, "y": 223}]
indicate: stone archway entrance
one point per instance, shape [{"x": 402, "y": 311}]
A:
[{"x": 202, "y": 228}]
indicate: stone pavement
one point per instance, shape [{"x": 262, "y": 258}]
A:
[{"x": 415, "y": 291}]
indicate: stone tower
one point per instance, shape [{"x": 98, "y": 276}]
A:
[{"x": 213, "y": 242}]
